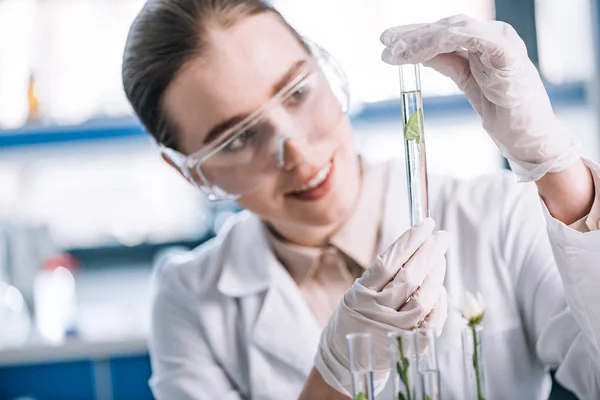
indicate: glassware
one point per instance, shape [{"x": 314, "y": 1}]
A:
[
  {"x": 402, "y": 351},
  {"x": 472, "y": 343},
  {"x": 15, "y": 320},
  {"x": 360, "y": 352},
  {"x": 427, "y": 363},
  {"x": 414, "y": 142}
]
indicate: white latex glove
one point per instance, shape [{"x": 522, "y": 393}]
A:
[
  {"x": 488, "y": 61},
  {"x": 377, "y": 303}
]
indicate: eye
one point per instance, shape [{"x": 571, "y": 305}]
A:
[
  {"x": 300, "y": 93},
  {"x": 240, "y": 142}
]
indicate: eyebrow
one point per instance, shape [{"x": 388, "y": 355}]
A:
[{"x": 221, "y": 127}]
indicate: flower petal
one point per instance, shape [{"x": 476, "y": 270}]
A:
[{"x": 481, "y": 302}]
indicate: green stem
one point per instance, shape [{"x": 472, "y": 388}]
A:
[
  {"x": 402, "y": 367},
  {"x": 476, "y": 364}
]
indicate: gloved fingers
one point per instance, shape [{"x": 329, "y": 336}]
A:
[
  {"x": 362, "y": 314},
  {"x": 495, "y": 41},
  {"x": 411, "y": 278},
  {"x": 491, "y": 40},
  {"x": 437, "y": 317},
  {"x": 426, "y": 295},
  {"x": 387, "y": 264},
  {"x": 390, "y": 36},
  {"x": 423, "y": 262},
  {"x": 398, "y": 40},
  {"x": 456, "y": 67},
  {"x": 422, "y": 301},
  {"x": 420, "y": 49},
  {"x": 453, "y": 65}
]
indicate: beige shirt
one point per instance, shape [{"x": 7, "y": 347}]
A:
[{"x": 324, "y": 274}]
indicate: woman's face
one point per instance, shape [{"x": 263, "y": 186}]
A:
[{"x": 244, "y": 65}]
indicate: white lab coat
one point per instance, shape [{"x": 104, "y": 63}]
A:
[{"x": 230, "y": 323}]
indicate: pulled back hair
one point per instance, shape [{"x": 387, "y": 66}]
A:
[{"x": 164, "y": 36}]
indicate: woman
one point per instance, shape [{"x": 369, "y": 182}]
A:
[{"x": 245, "y": 109}]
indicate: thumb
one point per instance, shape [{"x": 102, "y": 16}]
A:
[
  {"x": 453, "y": 65},
  {"x": 456, "y": 66},
  {"x": 387, "y": 264},
  {"x": 437, "y": 318}
]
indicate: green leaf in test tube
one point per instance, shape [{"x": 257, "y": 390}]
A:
[
  {"x": 360, "y": 396},
  {"x": 412, "y": 130}
]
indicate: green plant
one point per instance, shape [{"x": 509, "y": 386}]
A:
[
  {"x": 402, "y": 368},
  {"x": 414, "y": 126}
]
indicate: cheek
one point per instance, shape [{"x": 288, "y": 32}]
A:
[
  {"x": 263, "y": 201},
  {"x": 349, "y": 169},
  {"x": 346, "y": 138}
]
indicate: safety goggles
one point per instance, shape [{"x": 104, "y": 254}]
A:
[{"x": 242, "y": 158}]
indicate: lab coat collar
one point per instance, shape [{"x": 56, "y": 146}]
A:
[
  {"x": 246, "y": 260},
  {"x": 283, "y": 323}
]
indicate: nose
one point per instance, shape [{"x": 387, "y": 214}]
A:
[{"x": 291, "y": 152}]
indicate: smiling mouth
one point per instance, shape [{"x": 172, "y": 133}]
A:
[
  {"x": 318, "y": 179},
  {"x": 318, "y": 186}
]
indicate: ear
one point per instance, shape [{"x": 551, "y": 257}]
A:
[{"x": 172, "y": 164}]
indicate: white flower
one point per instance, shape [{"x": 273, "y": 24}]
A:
[{"x": 472, "y": 307}]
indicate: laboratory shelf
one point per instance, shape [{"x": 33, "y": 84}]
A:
[
  {"x": 117, "y": 370},
  {"x": 109, "y": 128}
]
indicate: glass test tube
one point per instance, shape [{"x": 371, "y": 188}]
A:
[
  {"x": 360, "y": 352},
  {"x": 414, "y": 142},
  {"x": 472, "y": 342},
  {"x": 402, "y": 352},
  {"x": 427, "y": 363}
]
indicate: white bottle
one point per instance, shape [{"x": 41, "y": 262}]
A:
[
  {"x": 15, "y": 322},
  {"x": 55, "y": 300}
]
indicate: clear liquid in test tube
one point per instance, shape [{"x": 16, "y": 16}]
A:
[
  {"x": 414, "y": 142},
  {"x": 427, "y": 363},
  {"x": 360, "y": 348}
]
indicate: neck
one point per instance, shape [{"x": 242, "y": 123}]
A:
[{"x": 310, "y": 236}]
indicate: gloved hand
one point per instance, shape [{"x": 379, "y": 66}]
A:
[
  {"x": 403, "y": 289},
  {"x": 488, "y": 61}
]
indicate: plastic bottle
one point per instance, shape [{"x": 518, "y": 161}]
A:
[{"x": 55, "y": 299}]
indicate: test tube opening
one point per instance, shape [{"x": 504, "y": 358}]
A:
[
  {"x": 427, "y": 363},
  {"x": 403, "y": 359},
  {"x": 360, "y": 356}
]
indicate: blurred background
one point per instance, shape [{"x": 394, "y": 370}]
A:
[{"x": 87, "y": 207}]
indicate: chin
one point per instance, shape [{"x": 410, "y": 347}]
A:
[
  {"x": 334, "y": 214},
  {"x": 335, "y": 208}
]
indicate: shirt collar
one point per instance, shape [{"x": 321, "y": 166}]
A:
[
  {"x": 359, "y": 235},
  {"x": 246, "y": 266},
  {"x": 300, "y": 261}
]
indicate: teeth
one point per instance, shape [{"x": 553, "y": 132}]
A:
[{"x": 317, "y": 180}]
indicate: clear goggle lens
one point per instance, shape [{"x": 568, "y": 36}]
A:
[{"x": 242, "y": 158}]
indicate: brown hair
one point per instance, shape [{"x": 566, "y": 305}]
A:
[{"x": 165, "y": 35}]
